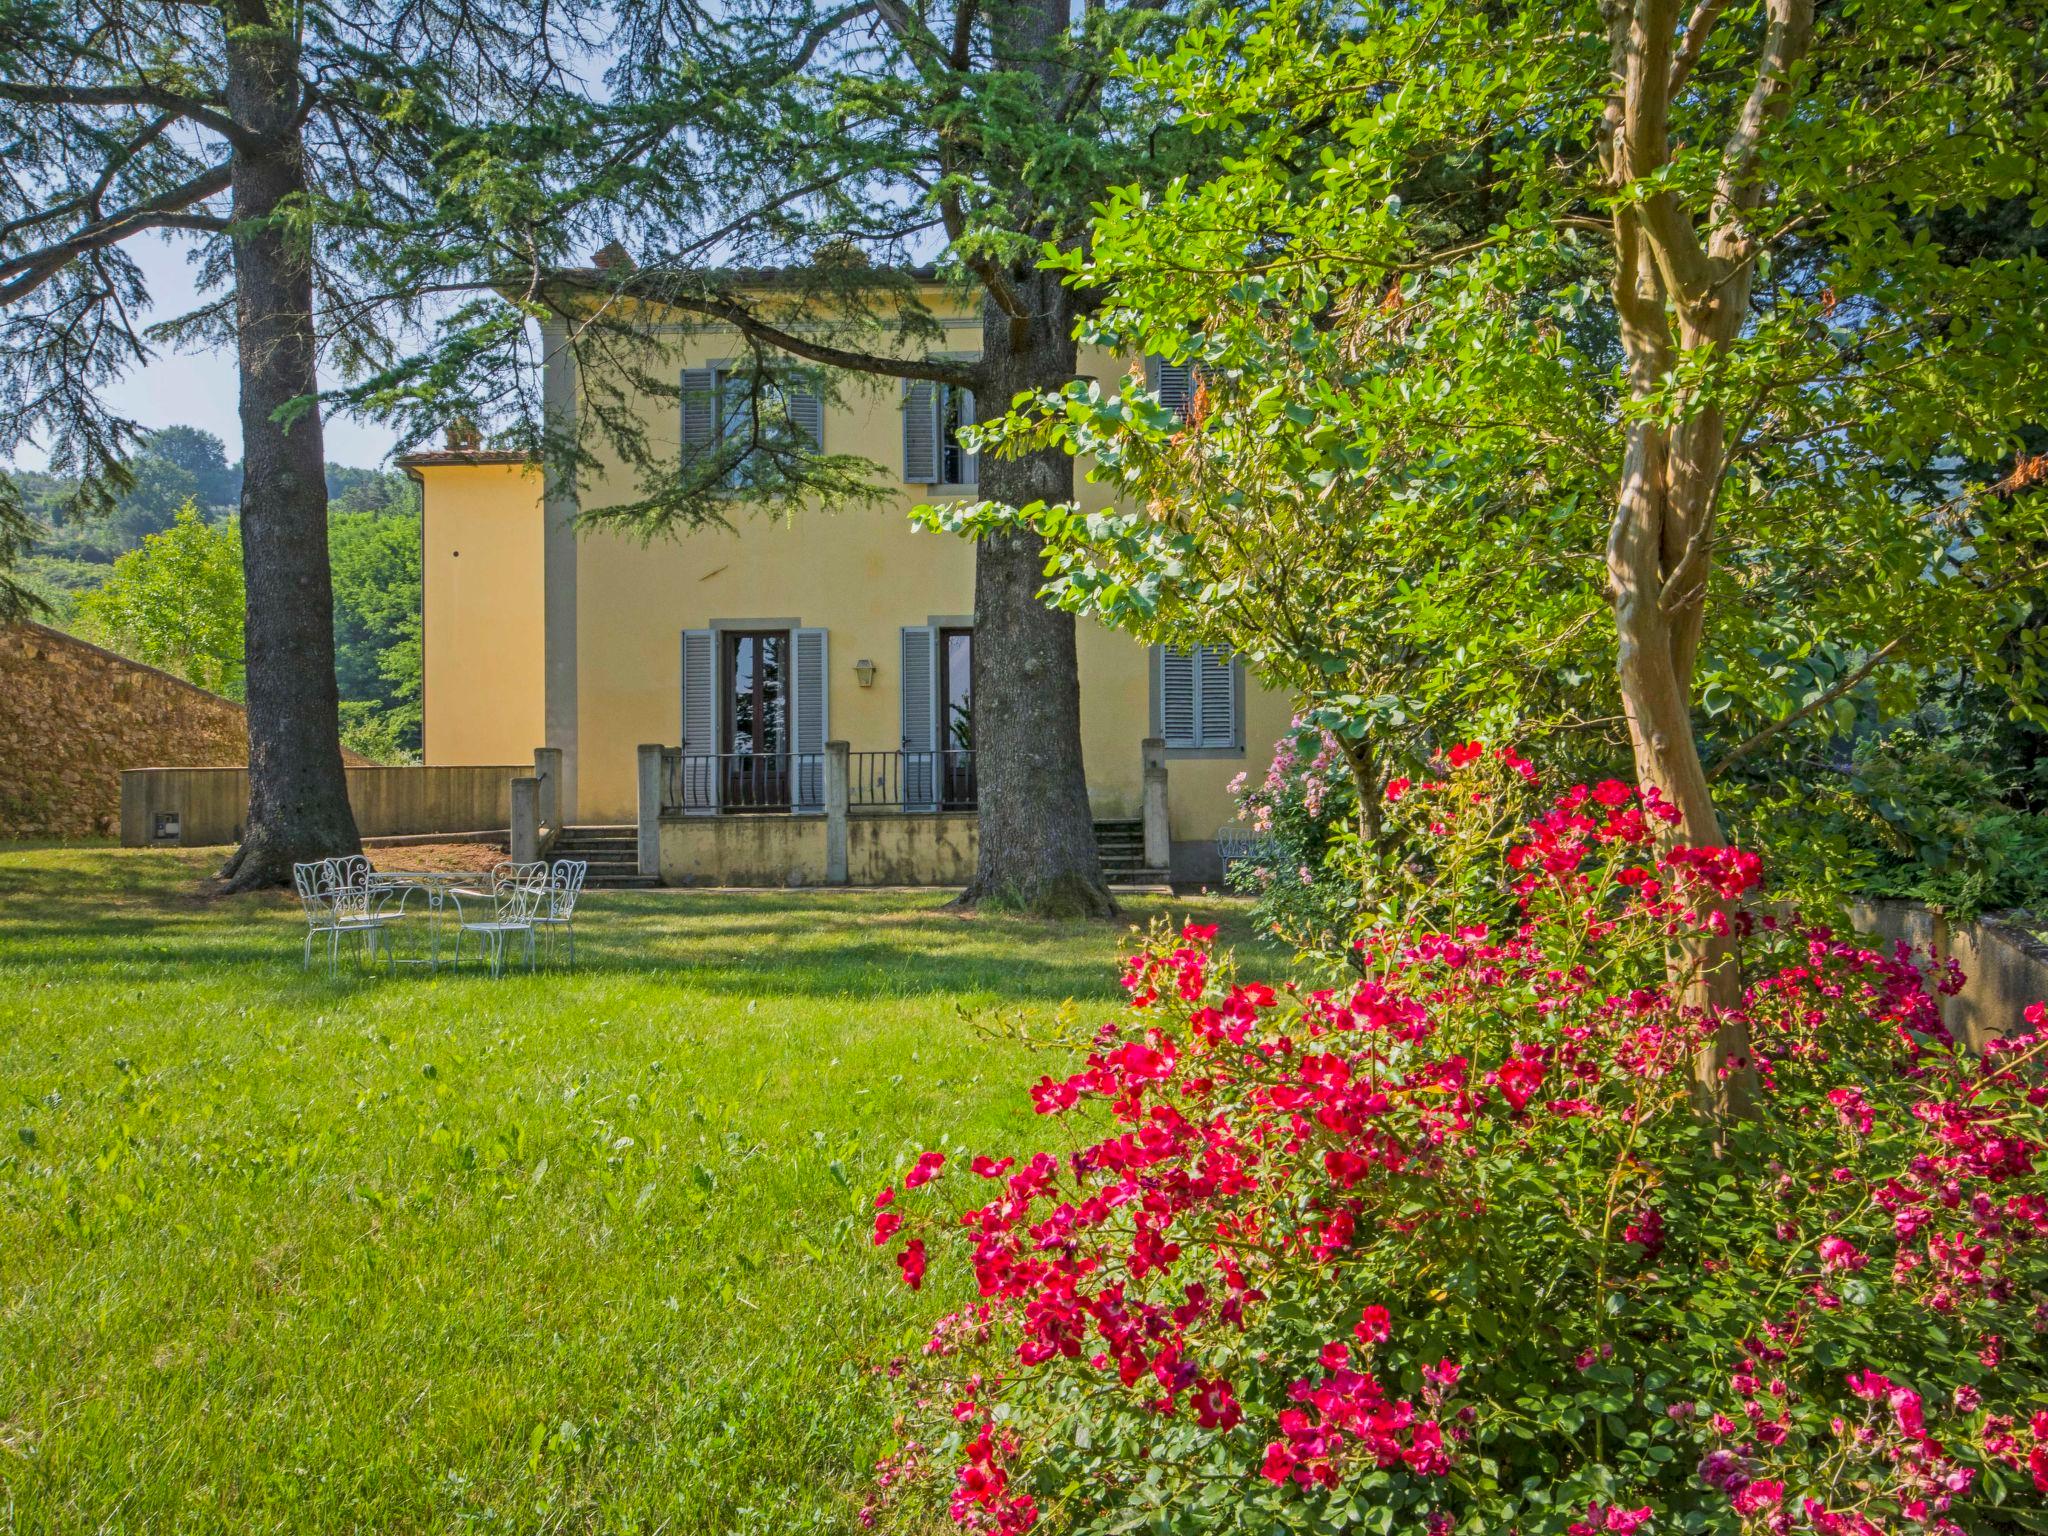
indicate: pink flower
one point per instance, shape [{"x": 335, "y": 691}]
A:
[{"x": 1839, "y": 1253}]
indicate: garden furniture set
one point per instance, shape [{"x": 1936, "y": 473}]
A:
[{"x": 345, "y": 899}]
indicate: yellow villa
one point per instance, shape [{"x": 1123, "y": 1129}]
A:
[{"x": 724, "y": 694}]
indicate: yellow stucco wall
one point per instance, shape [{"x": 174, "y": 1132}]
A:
[
  {"x": 860, "y": 575},
  {"x": 482, "y": 614}
]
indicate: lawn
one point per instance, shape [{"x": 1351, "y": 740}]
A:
[{"x": 559, "y": 1253}]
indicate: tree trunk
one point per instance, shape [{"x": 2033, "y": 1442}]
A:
[
  {"x": 1037, "y": 849},
  {"x": 1681, "y": 288},
  {"x": 298, "y": 794}
]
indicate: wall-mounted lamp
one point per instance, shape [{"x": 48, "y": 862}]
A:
[{"x": 864, "y": 670}]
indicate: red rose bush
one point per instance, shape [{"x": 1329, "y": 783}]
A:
[{"x": 1445, "y": 1245}]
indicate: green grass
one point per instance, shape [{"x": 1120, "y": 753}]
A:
[{"x": 554, "y": 1253}]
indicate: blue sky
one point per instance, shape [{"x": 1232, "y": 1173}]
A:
[{"x": 198, "y": 388}]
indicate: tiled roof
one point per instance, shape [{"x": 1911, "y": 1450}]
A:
[{"x": 436, "y": 457}]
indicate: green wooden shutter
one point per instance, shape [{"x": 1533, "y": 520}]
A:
[
  {"x": 700, "y": 721},
  {"x": 920, "y": 432},
  {"x": 809, "y": 719},
  {"x": 920, "y": 718},
  {"x": 806, "y": 413},
  {"x": 700, "y": 409}
]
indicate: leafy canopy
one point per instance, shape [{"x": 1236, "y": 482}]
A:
[{"x": 1394, "y": 490}]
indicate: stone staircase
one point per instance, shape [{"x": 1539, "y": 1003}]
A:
[
  {"x": 1122, "y": 847},
  {"x": 613, "y": 854}
]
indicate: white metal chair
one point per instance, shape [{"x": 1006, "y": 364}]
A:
[
  {"x": 335, "y": 895},
  {"x": 565, "y": 884},
  {"x": 518, "y": 893},
  {"x": 1240, "y": 844}
]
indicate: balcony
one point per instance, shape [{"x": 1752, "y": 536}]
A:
[{"x": 758, "y": 783}]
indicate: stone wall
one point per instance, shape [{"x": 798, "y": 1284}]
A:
[
  {"x": 2005, "y": 966},
  {"x": 73, "y": 716}
]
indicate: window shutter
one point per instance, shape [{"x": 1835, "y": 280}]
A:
[
  {"x": 807, "y": 414},
  {"x": 1174, "y": 383},
  {"x": 920, "y": 719},
  {"x": 810, "y": 719},
  {"x": 700, "y": 409},
  {"x": 700, "y": 721},
  {"x": 1215, "y": 697},
  {"x": 920, "y": 432},
  {"x": 1178, "y": 720}
]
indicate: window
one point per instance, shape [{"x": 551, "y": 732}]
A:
[
  {"x": 1198, "y": 698},
  {"x": 933, "y": 415},
  {"x": 1174, "y": 383},
  {"x": 718, "y": 409}
]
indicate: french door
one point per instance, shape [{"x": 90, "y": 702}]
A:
[{"x": 754, "y": 691}]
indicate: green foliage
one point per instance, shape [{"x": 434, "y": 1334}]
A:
[
  {"x": 377, "y": 617},
  {"x": 176, "y": 602},
  {"x": 1907, "y": 815},
  {"x": 1393, "y": 495}
]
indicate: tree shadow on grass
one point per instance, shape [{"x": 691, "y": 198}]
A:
[{"x": 86, "y": 915}]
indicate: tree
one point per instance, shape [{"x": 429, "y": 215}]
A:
[
  {"x": 293, "y": 143},
  {"x": 1713, "y": 294},
  {"x": 176, "y": 602},
  {"x": 202, "y": 456},
  {"x": 781, "y": 169},
  {"x": 377, "y": 656}
]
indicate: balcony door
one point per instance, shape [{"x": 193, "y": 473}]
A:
[
  {"x": 956, "y": 719},
  {"x": 755, "y": 687}
]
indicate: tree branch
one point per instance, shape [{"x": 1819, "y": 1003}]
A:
[
  {"x": 734, "y": 313},
  {"x": 125, "y": 96},
  {"x": 1697, "y": 26},
  {"x": 1735, "y": 754},
  {"x": 30, "y": 270}
]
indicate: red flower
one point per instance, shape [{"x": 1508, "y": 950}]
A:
[
  {"x": 885, "y": 1227},
  {"x": 925, "y": 1170},
  {"x": 1396, "y": 788},
  {"x": 1470, "y": 752},
  {"x": 1216, "y": 1406},
  {"x": 911, "y": 1262},
  {"x": 1374, "y": 1325},
  {"x": 992, "y": 1168}
]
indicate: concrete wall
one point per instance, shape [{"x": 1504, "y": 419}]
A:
[
  {"x": 210, "y": 803},
  {"x": 482, "y": 614},
  {"x": 72, "y": 716},
  {"x": 860, "y": 575},
  {"x": 790, "y": 850},
  {"x": 2006, "y": 967}
]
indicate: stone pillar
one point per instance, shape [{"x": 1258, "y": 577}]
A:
[
  {"x": 525, "y": 820},
  {"x": 836, "y": 800},
  {"x": 650, "y": 807},
  {"x": 547, "y": 767},
  {"x": 1158, "y": 836}
]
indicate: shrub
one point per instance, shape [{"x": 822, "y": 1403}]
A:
[
  {"x": 1303, "y": 880},
  {"x": 1445, "y": 1247}
]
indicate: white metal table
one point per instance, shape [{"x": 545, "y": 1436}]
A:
[{"x": 392, "y": 889}]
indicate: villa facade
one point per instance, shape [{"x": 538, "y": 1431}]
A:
[{"x": 744, "y": 651}]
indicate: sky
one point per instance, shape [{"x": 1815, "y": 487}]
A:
[{"x": 198, "y": 388}]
